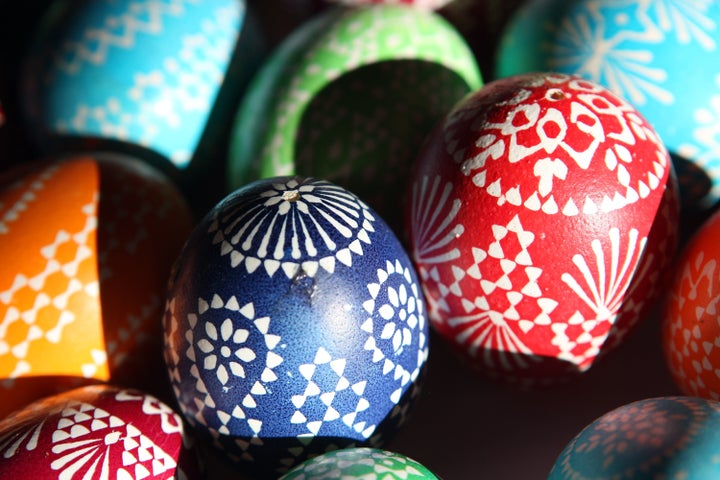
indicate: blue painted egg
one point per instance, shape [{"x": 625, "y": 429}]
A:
[
  {"x": 661, "y": 437},
  {"x": 144, "y": 73},
  {"x": 295, "y": 324},
  {"x": 661, "y": 56}
]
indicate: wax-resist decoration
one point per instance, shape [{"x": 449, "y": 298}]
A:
[
  {"x": 542, "y": 219},
  {"x": 98, "y": 431},
  {"x": 659, "y": 437},
  {"x": 145, "y": 73},
  {"x": 367, "y": 463},
  {"x": 425, "y": 4},
  {"x": 87, "y": 245},
  {"x": 349, "y": 97},
  {"x": 658, "y": 55},
  {"x": 691, "y": 331},
  {"x": 295, "y": 324}
]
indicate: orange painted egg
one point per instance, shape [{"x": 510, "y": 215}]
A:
[
  {"x": 98, "y": 432},
  {"x": 87, "y": 244},
  {"x": 691, "y": 323}
]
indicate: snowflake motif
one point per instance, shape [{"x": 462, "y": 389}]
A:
[
  {"x": 298, "y": 223},
  {"x": 225, "y": 347}
]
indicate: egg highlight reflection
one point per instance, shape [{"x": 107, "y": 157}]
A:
[{"x": 295, "y": 324}]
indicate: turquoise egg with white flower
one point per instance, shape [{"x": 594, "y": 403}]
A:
[
  {"x": 142, "y": 74},
  {"x": 659, "y": 55}
]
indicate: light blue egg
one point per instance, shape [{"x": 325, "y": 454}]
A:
[
  {"x": 142, "y": 72},
  {"x": 662, "y": 56},
  {"x": 662, "y": 437}
]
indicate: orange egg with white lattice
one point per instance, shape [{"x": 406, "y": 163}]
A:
[
  {"x": 691, "y": 315},
  {"x": 87, "y": 243}
]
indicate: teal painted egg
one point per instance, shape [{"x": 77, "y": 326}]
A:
[
  {"x": 143, "y": 74},
  {"x": 662, "y": 437}
]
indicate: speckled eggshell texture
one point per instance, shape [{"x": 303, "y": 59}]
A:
[
  {"x": 98, "y": 431},
  {"x": 365, "y": 463},
  {"x": 661, "y": 56},
  {"x": 136, "y": 72},
  {"x": 690, "y": 328},
  {"x": 659, "y": 437},
  {"x": 542, "y": 219},
  {"x": 87, "y": 244},
  {"x": 295, "y": 324}
]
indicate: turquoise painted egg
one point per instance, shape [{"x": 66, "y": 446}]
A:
[
  {"x": 365, "y": 463},
  {"x": 145, "y": 74},
  {"x": 662, "y": 437},
  {"x": 661, "y": 56}
]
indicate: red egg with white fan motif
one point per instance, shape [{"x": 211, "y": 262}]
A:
[{"x": 542, "y": 218}]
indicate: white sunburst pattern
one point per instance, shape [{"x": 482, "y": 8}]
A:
[
  {"x": 688, "y": 19},
  {"x": 587, "y": 45},
  {"x": 296, "y": 223},
  {"x": 434, "y": 231},
  {"x": 605, "y": 288},
  {"x": 488, "y": 335}
]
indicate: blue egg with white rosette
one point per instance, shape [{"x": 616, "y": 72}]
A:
[
  {"x": 295, "y": 324},
  {"x": 139, "y": 73},
  {"x": 661, "y": 56},
  {"x": 652, "y": 438}
]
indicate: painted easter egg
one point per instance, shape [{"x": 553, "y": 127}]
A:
[
  {"x": 295, "y": 324},
  {"x": 542, "y": 220},
  {"x": 426, "y": 4},
  {"x": 366, "y": 463},
  {"x": 145, "y": 76},
  {"x": 659, "y": 437},
  {"x": 349, "y": 97},
  {"x": 660, "y": 56},
  {"x": 98, "y": 431},
  {"x": 691, "y": 331},
  {"x": 87, "y": 244}
]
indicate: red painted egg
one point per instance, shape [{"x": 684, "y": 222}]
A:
[
  {"x": 541, "y": 218},
  {"x": 98, "y": 431},
  {"x": 87, "y": 244},
  {"x": 691, "y": 326}
]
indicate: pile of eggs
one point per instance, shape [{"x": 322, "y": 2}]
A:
[{"x": 234, "y": 234}]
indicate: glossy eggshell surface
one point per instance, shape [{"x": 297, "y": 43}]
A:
[
  {"x": 660, "y": 56},
  {"x": 366, "y": 463},
  {"x": 295, "y": 324},
  {"x": 98, "y": 431},
  {"x": 541, "y": 218},
  {"x": 691, "y": 331},
  {"x": 349, "y": 97},
  {"x": 87, "y": 244},
  {"x": 659, "y": 437},
  {"x": 142, "y": 73}
]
